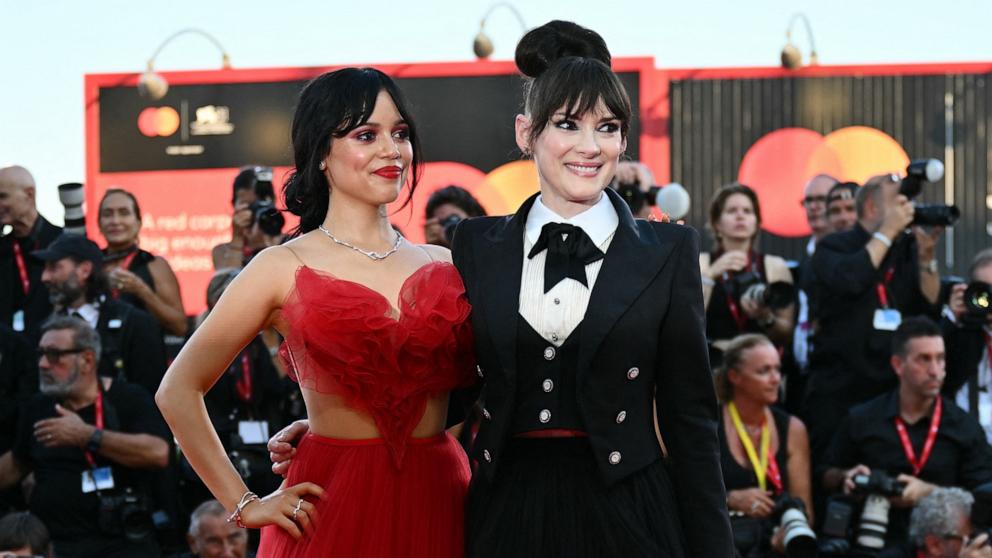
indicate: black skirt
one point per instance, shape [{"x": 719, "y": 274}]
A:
[{"x": 548, "y": 500}]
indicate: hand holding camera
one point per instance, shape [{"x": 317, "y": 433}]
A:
[
  {"x": 752, "y": 502},
  {"x": 898, "y": 217},
  {"x": 914, "y": 491}
]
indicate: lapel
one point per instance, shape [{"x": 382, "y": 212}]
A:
[
  {"x": 501, "y": 290},
  {"x": 632, "y": 261}
]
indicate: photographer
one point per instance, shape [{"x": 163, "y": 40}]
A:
[
  {"x": 255, "y": 224},
  {"x": 764, "y": 452},
  {"x": 865, "y": 281},
  {"x": 24, "y": 301},
  {"x": 968, "y": 334},
  {"x": 633, "y": 181},
  {"x": 138, "y": 277},
  {"x": 911, "y": 432},
  {"x": 842, "y": 211},
  {"x": 91, "y": 443},
  {"x": 77, "y": 285},
  {"x": 940, "y": 527},
  {"x": 737, "y": 279},
  {"x": 212, "y": 536},
  {"x": 446, "y": 208}
]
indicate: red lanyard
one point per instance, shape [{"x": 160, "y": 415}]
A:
[
  {"x": 773, "y": 472},
  {"x": 739, "y": 317},
  {"x": 99, "y": 424},
  {"x": 243, "y": 385},
  {"x": 22, "y": 267},
  {"x": 907, "y": 446},
  {"x": 882, "y": 287},
  {"x": 125, "y": 264}
]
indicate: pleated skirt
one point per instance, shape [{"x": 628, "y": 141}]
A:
[
  {"x": 548, "y": 500},
  {"x": 374, "y": 509}
]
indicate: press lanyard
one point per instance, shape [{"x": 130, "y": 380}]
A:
[
  {"x": 243, "y": 385},
  {"x": 882, "y": 287},
  {"x": 98, "y": 404},
  {"x": 22, "y": 267},
  {"x": 125, "y": 264},
  {"x": 767, "y": 465},
  {"x": 907, "y": 446},
  {"x": 739, "y": 318}
]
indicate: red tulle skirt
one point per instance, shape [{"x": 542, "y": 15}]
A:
[{"x": 374, "y": 509}]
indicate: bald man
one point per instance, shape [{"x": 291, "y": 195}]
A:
[{"x": 24, "y": 303}]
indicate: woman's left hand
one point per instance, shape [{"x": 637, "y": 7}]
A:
[
  {"x": 755, "y": 310},
  {"x": 126, "y": 282}
]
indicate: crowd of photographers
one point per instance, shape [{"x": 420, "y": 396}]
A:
[{"x": 853, "y": 384}]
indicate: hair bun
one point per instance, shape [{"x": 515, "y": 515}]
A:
[{"x": 542, "y": 46}]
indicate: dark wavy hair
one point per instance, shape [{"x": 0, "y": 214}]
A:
[
  {"x": 456, "y": 196},
  {"x": 330, "y": 106},
  {"x": 568, "y": 66}
]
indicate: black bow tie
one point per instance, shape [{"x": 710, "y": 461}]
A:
[{"x": 570, "y": 250}]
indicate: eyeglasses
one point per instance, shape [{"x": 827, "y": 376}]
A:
[
  {"x": 810, "y": 200},
  {"x": 54, "y": 355}
]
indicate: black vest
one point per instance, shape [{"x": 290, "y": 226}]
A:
[{"x": 546, "y": 395}]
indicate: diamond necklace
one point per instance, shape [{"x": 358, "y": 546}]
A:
[{"x": 375, "y": 256}]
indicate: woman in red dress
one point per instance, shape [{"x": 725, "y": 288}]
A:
[{"x": 376, "y": 335}]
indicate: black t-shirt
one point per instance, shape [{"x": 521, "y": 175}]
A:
[
  {"x": 58, "y": 499},
  {"x": 961, "y": 456}
]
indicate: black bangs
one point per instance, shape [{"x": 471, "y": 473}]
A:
[
  {"x": 358, "y": 101},
  {"x": 577, "y": 85}
]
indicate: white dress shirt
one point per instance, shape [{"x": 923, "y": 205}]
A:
[
  {"x": 90, "y": 312},
  {"x": 555, "y": 314}
]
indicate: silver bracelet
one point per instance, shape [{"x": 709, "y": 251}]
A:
[
  {"x": 883, "y": 239},
  {"x": 707, "y": 281},
  {"x": 246, "y": 499}
]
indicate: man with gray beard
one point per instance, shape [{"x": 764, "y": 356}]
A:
[
  {"x": 77, "y": 286},
  {"x": 92, "y": 444}
]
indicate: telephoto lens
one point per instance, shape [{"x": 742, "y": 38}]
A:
[
  {"x": 978, "y": 298},
  {"x": 874, "y": 522},
  {"x": 71, "y": 197},
  {"x": 799, "y": 539}
]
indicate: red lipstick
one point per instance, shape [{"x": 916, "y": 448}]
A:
[{"x": 391, "y": 173}]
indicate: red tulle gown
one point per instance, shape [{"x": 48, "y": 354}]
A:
[{"x": 393, "y": 496}]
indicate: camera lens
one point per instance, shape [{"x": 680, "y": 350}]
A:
[
  {"x": 874, "y": 522},
  {"x": 978, "y": 298}
]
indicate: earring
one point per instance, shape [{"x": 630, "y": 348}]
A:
[{"x": 322, "y": 165}]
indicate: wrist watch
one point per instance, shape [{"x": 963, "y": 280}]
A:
[
  {"x": 96, "y": 439},
  {"x": 930, "y": 266}
]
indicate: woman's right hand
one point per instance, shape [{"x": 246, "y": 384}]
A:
[
  {"x": 287, "y": 507},
  {"x": 752, "y": 502},
  {"x": 282, "y": 446},
  {"x": 734, "y": 260}
]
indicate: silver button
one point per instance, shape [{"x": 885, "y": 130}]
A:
[
  {"x": 485, "y": 413},
  {"x": 478, "y": 370},
  {"x": 545, "y": 416},
  {"x": 621, "y": 417},
  {"x": 549, "y": 353},
  {"x": 633, "y": 373},
  {"x": 548, "y": 385},
  {"x": 557, "y": 301},
  {"x": 487, "y": 456},
  {"x": 615, "y": 458}
]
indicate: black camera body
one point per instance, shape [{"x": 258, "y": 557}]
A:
[
  {"x": 918, "y": 173},
  {"x": 878, "y": 482},
  {"x": 268, "y": 217},
  {"x": 775, "y": 295},
  {"x": 125, "y": 513}
]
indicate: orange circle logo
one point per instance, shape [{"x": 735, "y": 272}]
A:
[
  {"x": 779, "y": 164},
  {"x": 158, "y": 121}
]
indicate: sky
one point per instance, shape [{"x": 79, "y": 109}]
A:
[{"x": 47, "y": 46}]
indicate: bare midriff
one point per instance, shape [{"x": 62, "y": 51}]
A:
[{"x": 332, "y": 418}]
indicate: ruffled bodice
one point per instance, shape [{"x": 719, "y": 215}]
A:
[{"x": 343, "y": 339}]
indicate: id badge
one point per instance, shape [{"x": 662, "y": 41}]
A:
[
  {"x": 887, "y": 319},
  {"x": 253, "y": 431},
  {"x": 18, "y": 322}
]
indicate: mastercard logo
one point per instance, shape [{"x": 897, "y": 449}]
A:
[
  {"x": 779, "y": 164},
  {"x": 158, "y": 121}
]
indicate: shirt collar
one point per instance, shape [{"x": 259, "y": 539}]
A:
[
  {"x": 89, "y": 312},
  {"x": 599, "y": 221},
  {"x": 892, "y": 406},
  {"x": 811, "y": 246}
]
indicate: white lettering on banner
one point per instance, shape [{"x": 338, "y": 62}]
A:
[
  {"x": 185, "y": 150},
  {"x": 212, "y": 120}
]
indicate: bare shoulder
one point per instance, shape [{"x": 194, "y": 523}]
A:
[
  {"x": 797, "y": 429},
  {"x": 704, "y": 260},
  {"x": 438, "y": 253}
]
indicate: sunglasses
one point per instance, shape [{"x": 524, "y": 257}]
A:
[{"x": 54, "y": 355}]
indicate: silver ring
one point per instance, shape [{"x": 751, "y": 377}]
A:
[
  {"x": 48, "y": 436},
  {"x": 296, "y": 510},
  {"x": 754, "y": 506}
]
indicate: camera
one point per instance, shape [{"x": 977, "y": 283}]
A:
[
  {"x": 978, "y": 299},
  {"x": 268, "y": 217},
  {"x": 71, "y": 197},
  {"x": 125, "y": 513},
  {"x": 878, "y": 488},
  {"x": 918, "y": 173},
  {"x": 799, "y": 539},
  {"x": 775, "y": 295},
  {"x": 448, "y": 225},
  {"x": 672, "y": 199}
]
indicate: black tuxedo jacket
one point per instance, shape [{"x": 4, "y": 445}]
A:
[
  {"x": 132, "y": 344},
  {"x": 642, "y": 339},
  {"x": 35, "y": 304}
]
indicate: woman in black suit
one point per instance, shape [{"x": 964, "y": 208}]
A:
[{"x": 584, "y": 319}]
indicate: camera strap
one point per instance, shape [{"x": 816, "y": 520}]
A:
[
  {"x": 243, "y": 384},
  {"x": 98, "y": 412},
  {"x": 882, "y": 287},
  {"x": 735, "y": 311},
  {"x": 907, "y": 446},
  {"x": 765, "y": 468}
]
